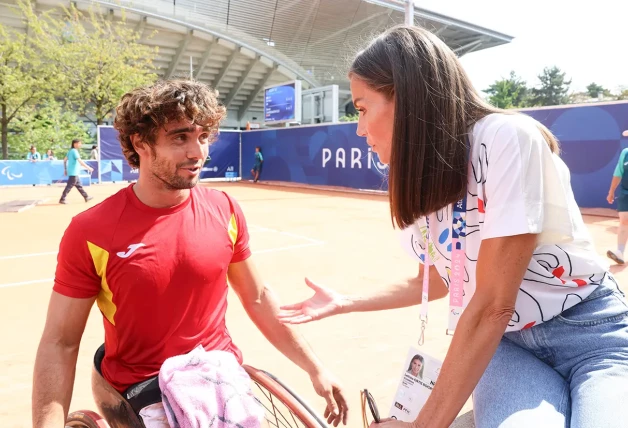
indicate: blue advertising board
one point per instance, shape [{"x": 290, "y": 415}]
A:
[
  {"x": 330, "y": 155},
  {"x": 223, "y": 160},
  {"x": 23, "y": 172},
  {"x": 591, "y": 141}
]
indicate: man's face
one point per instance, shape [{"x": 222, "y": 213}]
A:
[
  {"x": 34, "y": 149},
  {"x": 178, "y": 154}
]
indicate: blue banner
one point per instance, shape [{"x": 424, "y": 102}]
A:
[
  {"x": 15, "y": 173},
  {"x": 109, "y": 145},
  {"x": 591, "y": 141},
  {"x": 223, "y": 161},
  {"x": 224, "y": 157},
  {"x": 331, "y": 155}
]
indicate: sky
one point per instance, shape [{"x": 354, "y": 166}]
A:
[{"x": 589, "y": 42}]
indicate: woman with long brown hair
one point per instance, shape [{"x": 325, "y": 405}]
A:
[{"x": 483, "y": 198}]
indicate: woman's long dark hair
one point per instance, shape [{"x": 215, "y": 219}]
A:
[{"x": 435, "y": 106}]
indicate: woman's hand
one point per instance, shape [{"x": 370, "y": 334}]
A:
[{"x": 323, "y": 304}]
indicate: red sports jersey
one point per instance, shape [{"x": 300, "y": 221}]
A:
[{"x": 160, "y": 276}]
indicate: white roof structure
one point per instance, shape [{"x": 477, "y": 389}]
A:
[{"x": 240, "y": 46}]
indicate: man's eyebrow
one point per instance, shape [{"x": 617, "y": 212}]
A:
[{"x": 181, "y": 130}]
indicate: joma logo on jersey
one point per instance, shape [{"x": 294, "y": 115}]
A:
[{"x": 132, "y": 248}]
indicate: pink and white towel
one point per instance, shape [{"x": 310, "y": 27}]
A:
[{"x": 208, "y": 389}]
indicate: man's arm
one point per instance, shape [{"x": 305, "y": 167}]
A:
[
  {"x": 262, "y": 307},
  {"x": 617, "y": 176},
  {"x": 611, "y": 193},
  {"x": 55, "y": 364}
]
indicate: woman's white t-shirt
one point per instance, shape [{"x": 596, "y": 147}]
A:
[{"x": 516, "y": 185}]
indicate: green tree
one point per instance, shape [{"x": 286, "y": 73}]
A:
[
  {"x": 509, "y": 93},
  {"x": 554, "y": 88},
  {"x": 25, "y": 79},
  {"x": 99, "y": 58},
  {"x": 623, "y": 93},
  {"x": 594, "y": 89},
  {"x": 47, "y": 126}
]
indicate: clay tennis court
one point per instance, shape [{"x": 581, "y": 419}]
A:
[{"x": 342, "y": 240}]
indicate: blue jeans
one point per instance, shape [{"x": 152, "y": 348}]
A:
[{"x": 570, "y": 372}]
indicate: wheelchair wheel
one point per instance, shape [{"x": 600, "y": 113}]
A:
[
  {"x": 284, "y": 409},
  {"x": 85, "y": 419}
]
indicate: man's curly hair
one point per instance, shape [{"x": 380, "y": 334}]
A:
[{"x": 146, "y": 109}]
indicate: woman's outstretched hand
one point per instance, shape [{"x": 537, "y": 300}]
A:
[{"x": 323, "y": 304}]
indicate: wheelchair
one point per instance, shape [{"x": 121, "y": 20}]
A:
[{"x": 283, "y": 408}]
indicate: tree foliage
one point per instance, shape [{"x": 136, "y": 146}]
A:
[
  {"x": 554, "y": 88},
  {"x": 47, "y": 126},
  {"x": 100, "y": 58},
  {"x": 509, "y": 93},
  {"x": 25, "y": 79}
]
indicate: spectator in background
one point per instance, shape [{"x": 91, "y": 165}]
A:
[
  {"x": 619, "y": 177},
  {"x": 33, "y": 155},
  {"x": 49, "y": 155},
  {"x": 93, "y": 155},
  {"x": 71, "y": 165},
  {"x": 257, "y": 167}
]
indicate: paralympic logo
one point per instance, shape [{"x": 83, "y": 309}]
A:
[{"x": 10, "y": 176}]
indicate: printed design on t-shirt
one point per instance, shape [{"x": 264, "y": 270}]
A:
[
  {"x": 479, "y": 172},
  {"x": 418, "y": 247}
]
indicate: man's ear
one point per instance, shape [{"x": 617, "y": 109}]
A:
[{"x": 138, "y": 144}]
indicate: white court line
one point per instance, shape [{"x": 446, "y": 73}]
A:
[
  {"x": 20, "y": 256},
  {"x": 311, "y": 243},
  {"x": 292, "y": 235},
  {"x": 19, "y": 284},
  {"x": 264, "y": 229},
  {"x": 269, "y": 250},
  {"x": 290, "y": 247}
]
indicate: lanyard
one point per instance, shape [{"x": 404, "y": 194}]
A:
[{"x": 456, "y": 286}]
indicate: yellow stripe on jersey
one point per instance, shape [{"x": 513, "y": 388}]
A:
[
  {"x": 100, "y": 257},
  {"x": 233, "y": 229}
]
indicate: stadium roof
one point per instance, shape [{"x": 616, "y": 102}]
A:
[{"x": 240, "y": 46}]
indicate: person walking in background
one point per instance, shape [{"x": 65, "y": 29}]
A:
[
  {"x": 71, "y": 169},
  {"x": 257, "y": 167},
  {"x": 622, "y": 206},
  {"x": 93, "y": 155}
]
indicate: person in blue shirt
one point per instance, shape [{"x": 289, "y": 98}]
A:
[
  {"x": 72, "y": 163},
  {"x": 33, "y": 155},
  {"x": 619, "y": 177},
  {"x": 49, "y": 155},
  {"x": 257, "y": 167}
]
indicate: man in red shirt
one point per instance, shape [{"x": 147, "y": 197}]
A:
[{"x": 156, "y": 257}]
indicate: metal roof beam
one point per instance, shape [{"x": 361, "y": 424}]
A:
[
  {"x": 238, "y": 86},
  {"x": 345, "y": 29},
  {"x": 473, "y": 44},
  {"x": 179, "y": 53},
  {"x": 205, "y": 58},
  {"x": 225, "y": 68},
  {"x": 247, "y": 104}
]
